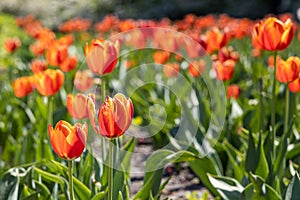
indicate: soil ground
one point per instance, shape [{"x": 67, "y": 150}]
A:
[{"x": 182, "y": 182}]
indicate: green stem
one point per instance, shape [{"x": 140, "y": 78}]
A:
[
  {"x": 111, "y": 170},
  {"x": 50, "y": 110},
  {"x": 103, "y": 96},
  {"x": 70, "y": 180},
  {"x": 261, "y": 105},
  {"x": 286, "y": 117},
  {"x": 273, "y": 120}
]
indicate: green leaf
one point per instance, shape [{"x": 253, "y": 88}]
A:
[
  {"x": 9, "y": 187},
  {"x": 119, "y": 182},
  {"x": 279, "y": 164},
  {"x": 293, "y": 190},
  {"x": 99, "y": 196},
  {"x": 252, "y": 156},
  {"x": 293, "y": 151},
  {"x": 42, "y": 189},
  {"x": 81, "y": 191},
  {"x": 202, "y": 166},
  {"x": 261, "y": 189},
  {"x": 50, "y": 177},
  {"x": 120, "y": 196},
  {"x": 262, "y": 168},
  {"x": 227, "y": 187}
]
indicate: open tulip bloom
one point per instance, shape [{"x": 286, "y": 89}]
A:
[
  {"x": 114, "y": 116},
  {"x": 68, "y": 141}
]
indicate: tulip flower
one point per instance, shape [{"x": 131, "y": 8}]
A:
[
  {"x": 215, "y": 39},
  {"x": 224, "y": 70},
  {"x": 233, "y": 91},
  {"x": 56, "y": 53},
  {"x": 83, "y": 80},
  {"x": 101, "y": 56},
  {"x": 68, "y": 64},
  {"x": 273, "y": 34},
  {"x": 23, "y": 86},
  {"x": 161, "y": 57},
  {"x": 171, "y": 69},
  {"x": 288, "y": 70},
  {"x": 77, "y": 106},
  {"x": 12, "y": 44},
  {"x": 68, "y": 141},
  {"x": 49, "y": 82},
  {"x": 38, "y": 65},
  {"x": 294, "y": 86},
  {"x": 196, "y": 68},
  {"x": 114, "y": 116}
]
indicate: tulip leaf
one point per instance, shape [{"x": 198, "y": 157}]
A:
[
  {"x": 293, "y": 192},
  {"x": 42, "y": 189},
  {"x": 48, "y": 176},
  {"x": 281, "y": 151},
  {"x": 261, "y": 190},
  {"x": 99, "y": 196},
  {"x": 293, "y": 151},
  {"x": 262, "y": 168},
  {"x": 9, "y": 187},
  {"x": 252, "y": 156},
  {"x": 227, "y": 187},
  {"x": 81, "y": 191}
]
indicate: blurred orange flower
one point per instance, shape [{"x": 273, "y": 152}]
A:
[
  {"x": 114, "y": 116},
  {"x": 77, "y": 106},
  {"x": 224, "y": 70},
  {"x": 68, "y": 64},
  {"x": 294, "y": 86},
  {"x": 233, "y": 91},
  {"x": 215, "y": 39},
  {"x": 56, "y": 53},
  {"x": 23, "y": 86},
  {"x": 49, "y": 81},
  {"x": 273, "y": 34},
  {"x": 161, "y": 57},
  {"x": 83, "y": 80},
  {"x": 68, "y": 141},
  {"x": 38, "y": 65},
  {"x": 288, "y": 70},
  {"x": 196, "y": 68},
  {"x": 171, "y": 69},
  {"x": 102, "y": 56},
  {"x": 12, "y": 44}
]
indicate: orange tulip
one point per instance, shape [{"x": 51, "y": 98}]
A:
[
  {"x": 171, "y": 69},
  {"x": 294, "y": 86},
  {"x": 68, "y": 64},
  {"x": 215, "y": 39},
  {"x": 56, "y": 53},
  {"x": 226, "y": 53},
  {"x": 83, "y": 80},
  {"x": 102, "y": 56},
  {"x": 161, "y": 57},
  {"x": 49, "y": 82},
  {"x": 114, "y": 116},
  {"x": 233, "y": 91},
  {"x": 38, "y": 65},
  {"x": 224, "y": 70},
  {"x": 12, "y": 44},
  {"x": 68, "y": 141},
  {"x": 196, "y": 68},
  {"x": 288, "y": 70},
  {"x": 77, "y": 106},
  {"x": 23, "y": 86},
  {"x": 273, "y": 34}
]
